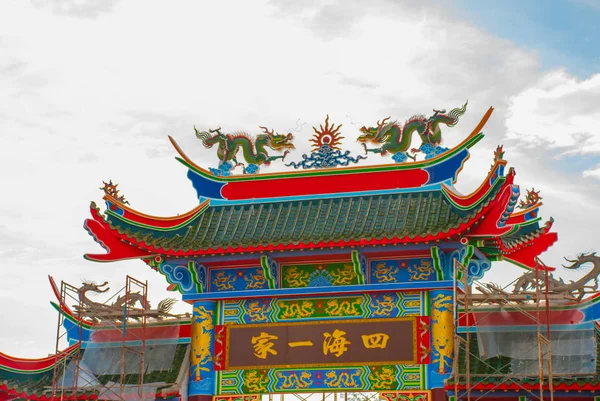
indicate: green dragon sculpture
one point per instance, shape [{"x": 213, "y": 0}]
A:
[
  {"x": 396, "y": 139},
  {"x": 253, "y": 150}
]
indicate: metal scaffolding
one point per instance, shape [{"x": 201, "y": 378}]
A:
[
  {"x": 72, "y": 375},
  {"x": 470, "y": 297}
]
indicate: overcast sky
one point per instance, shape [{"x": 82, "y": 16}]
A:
[{"x": 90, "y": 89}]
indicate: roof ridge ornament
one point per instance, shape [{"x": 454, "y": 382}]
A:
[
  {"x": 110, "y": 189},
  {"x": 394, "y": 138},
  {"x": 326, "y": 152},
  {"x": 499, "y": 153},
  {"x": 327, "y": 135},
  {"x": 498, "y": 157},
  {"x": 531, "y": 199},
  {"x": 254, "y": 149}
]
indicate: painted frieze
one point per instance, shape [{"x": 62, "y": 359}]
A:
[
  {"x": 238, "y": 279},
  {"x": 318, "y": 275},
  {"x": 402, "y": 271},
  {"x": 360, "y": 306},
  {"x": 361, "y": 378}
]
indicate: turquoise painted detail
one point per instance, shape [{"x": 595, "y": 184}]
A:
[
  {"x": 402, "y": 270},
  {"x": 185, "y": 277},
  {"x": 476, "y": 267},
  {"x": 238, "y": 279}
]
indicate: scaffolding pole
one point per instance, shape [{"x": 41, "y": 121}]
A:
[
  {"x": 131, "y": 284},
  {"x": 63, "y": 357},
  {"x": 466, "y": 304},
  {"x": 72, "y": 360}
]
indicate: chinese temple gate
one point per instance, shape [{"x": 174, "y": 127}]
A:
[{"x": 331, "y": 277}]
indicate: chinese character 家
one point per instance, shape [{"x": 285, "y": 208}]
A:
[{"x": 263, "y": 345}]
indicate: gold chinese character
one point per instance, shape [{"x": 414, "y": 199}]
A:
[
  {"x": 300, "y": 344},
  {"x": 263, "y": 345},
  {"x": 335, "y": 343},
  {"x": 377, "y": 340}
]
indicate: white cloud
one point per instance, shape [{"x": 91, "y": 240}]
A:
[
  {"x": 77, "y": 8},
  {"x": 594, "y": 172},
  {"x": 558, "y": 111}
]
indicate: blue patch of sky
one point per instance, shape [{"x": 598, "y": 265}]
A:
[
  {"x": 564, "y": 33},
  {"x": 570, "y": 164}
]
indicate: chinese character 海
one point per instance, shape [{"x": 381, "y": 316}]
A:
[
  {"x": 263, "y": 345},
  {"x": 335, "y": 343},
  {"x": 377, "y": 340}
]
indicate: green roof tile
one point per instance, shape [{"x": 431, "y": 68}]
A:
[{"x": 305, "y": 221}]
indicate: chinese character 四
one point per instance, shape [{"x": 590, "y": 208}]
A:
[{"x": 377, "y": 340}]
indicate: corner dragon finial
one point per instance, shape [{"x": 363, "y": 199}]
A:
[
  {"x": 499, "y": 153},
  {"x": 111, "y": 189},
  {"x": 531, "y": 199}
]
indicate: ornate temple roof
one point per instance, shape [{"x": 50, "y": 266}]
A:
[
  {"x": 408, "y": 202},
  {"x": 396, "y": 217}
]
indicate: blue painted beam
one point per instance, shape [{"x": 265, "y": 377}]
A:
[
  {"x": 317, "y": 252},
  {"x": 319, "y": 291}
]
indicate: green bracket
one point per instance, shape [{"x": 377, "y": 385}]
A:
[
  {"x": 270, "y": 268},
  {"x": 197, "y": 280},
  {"x": 466, "y": 258},
  {"x": 436, "y": 256},
  {"x": 358, "y": 261}
]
